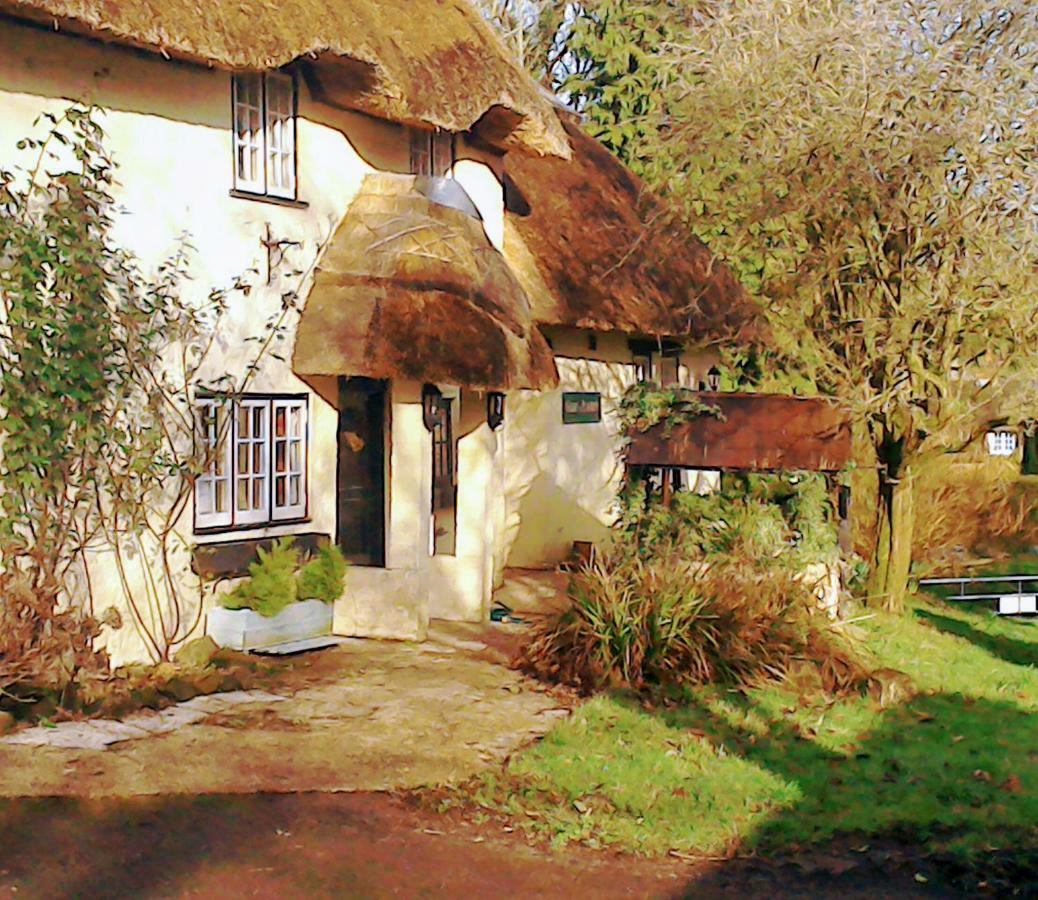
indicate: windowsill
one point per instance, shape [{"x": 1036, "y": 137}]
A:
[
  {"x": 268, "y": 198},
  {"x": 235, "y": 530}
]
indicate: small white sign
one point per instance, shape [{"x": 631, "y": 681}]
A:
[{"x": 1015, "y": 604}]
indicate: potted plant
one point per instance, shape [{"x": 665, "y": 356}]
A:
[{"x": 283, "y": 599}]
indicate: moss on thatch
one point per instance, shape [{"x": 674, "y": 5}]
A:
[
  {"x": 428, "y": 62},
  {"x": 594, "y": 248},
  {"x": 412, "y": 289}
]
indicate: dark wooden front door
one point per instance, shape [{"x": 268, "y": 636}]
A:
[{"x": 361, "y": 480}]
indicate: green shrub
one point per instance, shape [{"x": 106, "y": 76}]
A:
[
  {"x": 272, "y": 583},
  {"x": 324, "y": 576},
  {"x": 733, "y": 616},
  {"x": 645, "y": 405},
  {"x": 708, "y": 589},
  {"x": 788, "y": 514}
]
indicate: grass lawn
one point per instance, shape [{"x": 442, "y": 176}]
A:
[{"x": 955, "y": 767}]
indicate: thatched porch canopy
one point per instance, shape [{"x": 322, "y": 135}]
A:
[
  {"x": 758, "y": 433},
  {"x": 411, "y": 288},
  {"x": 422, "y": 62},
  {"x": 596, "y": 249}
]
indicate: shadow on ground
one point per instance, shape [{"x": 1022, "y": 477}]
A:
[
  {"x": 955, "y": 770},
  {"x": 300, "y": 845},
  {"x": 1020, "y": 653}
]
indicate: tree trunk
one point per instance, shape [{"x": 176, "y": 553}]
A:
[{"x": 894, "y": 533}]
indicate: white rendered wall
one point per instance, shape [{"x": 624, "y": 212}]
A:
[
  {"x": 168, "y": 129},
  {"x": 561, "y": 480}
]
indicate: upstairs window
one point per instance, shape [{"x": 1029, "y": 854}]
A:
[
  {"x": 265, "y": 134},
  {"x": 255, "y": 461},
  {"x": 432, "y": 152},
  {"x": 656, "y": 361}
]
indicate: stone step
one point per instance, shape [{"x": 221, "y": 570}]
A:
[{"x": 314, "y": 643}]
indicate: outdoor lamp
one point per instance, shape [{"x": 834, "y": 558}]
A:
[
  {"x": 432, "y": 410},
  {"x": 495, "y": 410},
  {"x": 713, "y": 379}
]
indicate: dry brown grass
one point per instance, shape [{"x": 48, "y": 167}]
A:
[
  {"x": 972, "y": 510},
  {"x": 43, "y": 646},
  {"x": 744, "y": 619}
]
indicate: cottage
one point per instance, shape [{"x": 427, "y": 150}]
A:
[{"x": 485, "y": 282}]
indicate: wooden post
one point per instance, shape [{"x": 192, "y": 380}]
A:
[{"x": 667, "y": 486}]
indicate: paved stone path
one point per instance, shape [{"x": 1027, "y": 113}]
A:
[
  {"x": 367, "y": 715},
  {"x": 100, "y": 734}
]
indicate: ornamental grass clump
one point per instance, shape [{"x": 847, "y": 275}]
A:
[{"x": 737, "y": 613}]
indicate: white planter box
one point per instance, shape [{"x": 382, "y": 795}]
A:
[{"x": 245, "y": 629}]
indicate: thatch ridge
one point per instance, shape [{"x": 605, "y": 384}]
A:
[
  {"x": 414, "y": 290},
  {"x": 425, "y": 62},
  {"x": 595, "y": 248}
]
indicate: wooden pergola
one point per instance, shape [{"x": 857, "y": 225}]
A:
[{"x": 755, "y": 433}]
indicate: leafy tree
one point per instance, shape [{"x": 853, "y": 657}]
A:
[
  {"x": 613, "y": 71},
  {"x": 536, "y": 32},
  {"x": 867, "y": 168}
]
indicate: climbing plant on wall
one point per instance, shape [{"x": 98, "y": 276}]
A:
[{"x": 100, "y": 363}]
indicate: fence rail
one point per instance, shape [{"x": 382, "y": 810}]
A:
[{"x": 1021, "y": 601}]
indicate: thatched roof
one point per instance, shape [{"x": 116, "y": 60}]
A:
[
  {"x": 422, "y": 62},
  {"x": 595, "y": 249},
  {"x": 413, "y": 289}
]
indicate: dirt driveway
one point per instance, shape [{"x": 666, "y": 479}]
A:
[
  {"x": 367, "y": 715},
  {"x": 359, "y": 846}
]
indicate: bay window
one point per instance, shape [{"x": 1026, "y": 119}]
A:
[{"x": 254, "y": 461}]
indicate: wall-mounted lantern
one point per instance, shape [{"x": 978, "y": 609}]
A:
[
  {"x": 432, "y": 407},
  {"x": 713, "y": 379},
  {"x": 495, "y": 410}
]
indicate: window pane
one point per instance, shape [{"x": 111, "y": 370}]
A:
[
  {"x": 204, "y": 496},
  {"x": 280, "y": 135},
  {"x": 289, "y": 459},
  {"x": 421, "y": 152},
  {"x": 213, "y": 447},
  {"x": 442, "y": 153},
  {"x": 248, "y": 127}
]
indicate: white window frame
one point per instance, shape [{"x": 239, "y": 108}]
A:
[
  {"x": 252, "y": 462},
  {"x": 432, "y": 152},
  {"x": 294, "y": 469},
  {"x": 1002, "y": 442},
  {"x": 280, "y": 128},
  {"x": 215, "y": 444},
  {"x": 249, "y": 458},
  {"x": 263, "y": 113}
]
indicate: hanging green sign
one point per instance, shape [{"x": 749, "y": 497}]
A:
[{"x": 581, "y": 407}]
